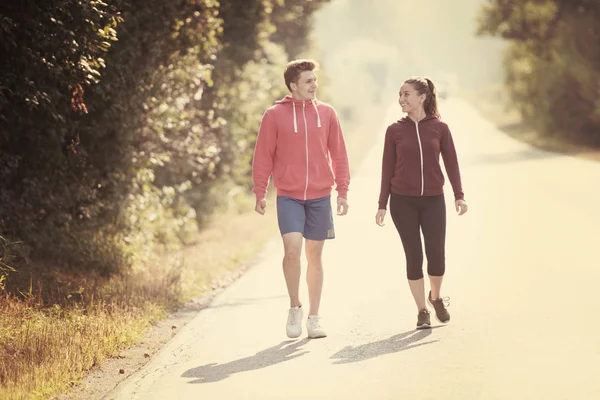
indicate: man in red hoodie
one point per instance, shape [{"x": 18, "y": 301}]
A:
[{"x": 300, "y": 144}]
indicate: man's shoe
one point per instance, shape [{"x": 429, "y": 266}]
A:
[
  {"x": 439, "y": 305},
  {"x": 423, "y": 319},
  {"x": 313, "y": 326},
  {"x": 294, "y": 322}
]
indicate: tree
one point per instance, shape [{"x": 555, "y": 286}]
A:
[
  {"x": 553, "y": 64},
  {"x": 124, "y": 123}
]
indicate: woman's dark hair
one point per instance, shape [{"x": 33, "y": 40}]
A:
[{"x": 425, "y": 86}]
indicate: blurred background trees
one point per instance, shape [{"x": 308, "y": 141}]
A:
[
  {"x": 552, "y": 64},
  {"x": 124, "y": 123}
]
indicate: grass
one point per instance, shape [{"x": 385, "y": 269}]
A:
[
  {"x": 493, "y": 104},
  {"x": 48, "y": 346},
  {"x": 45, "y": 350}
]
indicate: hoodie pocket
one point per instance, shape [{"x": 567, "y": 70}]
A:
[
  {"x": 290, "y": 178},
  {"x": 321, "y": 177},
  {"x": 439, "y": 175},
  {"x": 434, "y": 178}
]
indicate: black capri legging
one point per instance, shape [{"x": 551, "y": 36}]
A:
[{"x": 411, "y": 214}]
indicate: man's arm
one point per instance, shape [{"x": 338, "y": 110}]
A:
[
  {"x": 264, "y": 152},
  {"x": 339, "y": 156}
]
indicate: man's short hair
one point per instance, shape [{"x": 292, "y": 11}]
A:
[{"x": 292, "y": 71}]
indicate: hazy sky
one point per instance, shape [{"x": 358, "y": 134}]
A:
[{"x": 370, "y": 45}]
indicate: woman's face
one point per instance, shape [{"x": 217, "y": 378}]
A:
[{"x": 409, "y": 99}]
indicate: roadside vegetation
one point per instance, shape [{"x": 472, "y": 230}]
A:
[
  {"x": 126, "y": 136},
  {"x": 552, "y": 72}
]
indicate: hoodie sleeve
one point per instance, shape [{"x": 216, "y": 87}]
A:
[
  {"x": 388, "y": 164},
  {"x": 451, "y": 164},
  {"x": 339, "y": 156},
  {"x": 264, "y": 152}
]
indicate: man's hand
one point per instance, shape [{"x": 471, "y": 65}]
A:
[
  {"x": 461, "y": 206},
  {"x": 379, "y": 217},
  {"x": 342, "y": 206},
  {"x": 261, "y": 206}
]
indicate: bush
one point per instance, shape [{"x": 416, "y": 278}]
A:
[
  {"x": 124, "y": 123},
  {"x": 553, "y": 64}
]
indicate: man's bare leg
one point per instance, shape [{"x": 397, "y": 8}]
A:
[
  {"x": 314, "y": 274},
  {"x": 292, "y": 247}
]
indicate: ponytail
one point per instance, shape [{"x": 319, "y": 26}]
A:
[{"x": 430, "y": 104}]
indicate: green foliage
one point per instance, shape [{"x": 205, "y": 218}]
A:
[
  {"x": 124, "y": 123},
  {"x": 291, "y": 27},
  {"x": 553, "y": 64},
  {"x": 247, "y": 78},
  {"x": 49, "y": 50}
]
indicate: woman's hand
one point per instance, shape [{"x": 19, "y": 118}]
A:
[
  {"x": 380, "y": 217},
  {"x": 461, "y": 206}
]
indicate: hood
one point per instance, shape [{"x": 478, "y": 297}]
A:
[
  {"x": 295, "y": 102},
  {"x": 406, "y": 120}
]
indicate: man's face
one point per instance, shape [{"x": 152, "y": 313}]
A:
[
  {"x": 410, "y": 99},
  {"x": 306, "y": 87}
]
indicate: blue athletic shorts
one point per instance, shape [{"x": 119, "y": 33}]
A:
[{"x": 313, "y": 218}]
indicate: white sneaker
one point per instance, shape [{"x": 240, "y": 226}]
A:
[
  {"x": 294, "y": 322},
  {"x": 313, "y": 326}
]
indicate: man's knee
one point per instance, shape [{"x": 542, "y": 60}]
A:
[
  {"x": 292, "y": 253},
  {"x": 316, "y": 264},
  {"x": 314, "y": 251},
  {"x": 292, "y": 246}
]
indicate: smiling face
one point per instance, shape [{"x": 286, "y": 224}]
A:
[
  {"x": 409, "y": 99},
  {"x": 306, "y": 86}
]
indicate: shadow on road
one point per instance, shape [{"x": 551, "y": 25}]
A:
[
  {"x": 273, "y": 355},
  {"x": 246, "y": 302},
  {"x": 402, "y": 341}
]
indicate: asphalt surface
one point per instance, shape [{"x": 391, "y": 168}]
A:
[{"x": 522, "y": 274}]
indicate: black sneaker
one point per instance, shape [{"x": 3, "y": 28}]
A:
[
  {"x": 439, "y": 305},
  {"x": 423, "y": 320}
]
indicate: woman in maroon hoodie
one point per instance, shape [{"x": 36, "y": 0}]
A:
[{"x": 411, "y": 178}]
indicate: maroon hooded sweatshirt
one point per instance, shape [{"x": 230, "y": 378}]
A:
[{"x": 411, "y": 160}]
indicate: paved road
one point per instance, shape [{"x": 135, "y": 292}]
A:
[{"x": 522, "y": 275}]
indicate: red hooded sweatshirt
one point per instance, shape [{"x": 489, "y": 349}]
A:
[
  {"x": 298, "y": 143},
  {"x": 411, "y": 160}
]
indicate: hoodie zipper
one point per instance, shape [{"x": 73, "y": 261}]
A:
[
  {"x": 421, "y": 153},
  {"x": 306, "y": 137}
]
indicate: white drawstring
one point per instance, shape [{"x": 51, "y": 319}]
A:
[
  {"x": 318, "y": 116},
  {"x": 295, "y": 123}
]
